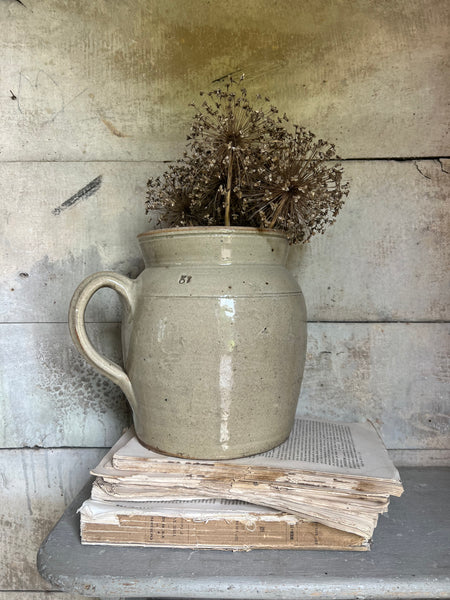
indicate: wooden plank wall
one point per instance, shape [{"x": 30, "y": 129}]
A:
[{"x": 94, "y": 99}]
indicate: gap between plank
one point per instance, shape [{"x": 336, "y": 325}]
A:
[
  {"x": 39, "y": 448},
  {"x": 166, "y": 161},
  {"x": 349, "y": 322}
]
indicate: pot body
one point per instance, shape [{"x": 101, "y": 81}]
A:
[{"x": 214, "y": 342}]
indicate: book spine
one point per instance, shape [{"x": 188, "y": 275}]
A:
[{"x": 147, "y": 530}]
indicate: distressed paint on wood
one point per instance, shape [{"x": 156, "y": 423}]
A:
[
  {"x": 60, "y": 234},
  {"x": 408, "y": 560},
  {"x": 36, "y": 487},
  {"x": 101, "y": 84},
  {"x": 50, "y": 396},
  {"x": 394, "y": 374},
  {"x": 385, "y": 258},
  {"x": 420, "y": 458}
]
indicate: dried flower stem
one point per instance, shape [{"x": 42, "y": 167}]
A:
[
  {"x": 276, "y": 213},
  {"x": 228, "y": 191}
]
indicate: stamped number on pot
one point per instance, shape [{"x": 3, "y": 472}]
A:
[{"x": 185, "y": 279}]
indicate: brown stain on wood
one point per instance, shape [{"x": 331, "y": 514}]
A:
[
  {"x": 336, "y": 68},
  {"x": 114, "y": 129},
  {"x": 180, "y": 47}
]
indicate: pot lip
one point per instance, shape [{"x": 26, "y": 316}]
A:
[{"x": 213, "y": 229}]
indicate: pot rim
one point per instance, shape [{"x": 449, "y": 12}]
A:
[{"x": 214, "y": 229}]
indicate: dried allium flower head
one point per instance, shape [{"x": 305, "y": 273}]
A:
[
  {"x": 234, "y": 136},
  {"x": 243, "y": 167},
  {"x": 187, "y": 194},
  {"x": 298, "y": 191}
]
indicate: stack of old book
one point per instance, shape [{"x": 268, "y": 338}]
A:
[{"x": 323, "y": 488}]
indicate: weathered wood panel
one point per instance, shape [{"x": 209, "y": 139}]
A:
[
  {"x": 36, "y": 487},
  {"x": 50, "y": 396},
  {"x": 386, "y": 257},
  {"x": 59, "y": 223},
  {"x": 85, "y": 81},
  {"x": 88, "y": 82},
  {"x": 394, "y": 374},
  {"x": 420, "y": 458},
  {"x": 408, "y": 561}
]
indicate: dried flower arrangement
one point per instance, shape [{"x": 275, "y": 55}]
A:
[{"x": 243, "y": 167}]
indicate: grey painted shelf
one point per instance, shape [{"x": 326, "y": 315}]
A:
[{"x": 410, "y": 558}]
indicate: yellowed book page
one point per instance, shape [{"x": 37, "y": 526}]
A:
[
  {"x": 223, "y": 534},
  {"x": 314, "y": 445}
]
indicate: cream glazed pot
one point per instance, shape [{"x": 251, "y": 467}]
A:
[{"x": 214, "y": 341}]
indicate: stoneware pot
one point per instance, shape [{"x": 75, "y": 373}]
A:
[{"x": 214, "y": 341}]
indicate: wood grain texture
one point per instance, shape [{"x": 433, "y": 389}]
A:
[
  {"x": 84, "y": 82},
  {"x": 36, "y": 487},
  {"x": 385, "y": 258},
  {"x": 394, "y": 374}
]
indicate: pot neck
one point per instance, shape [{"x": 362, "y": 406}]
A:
[{"x": 213, "y": 246}]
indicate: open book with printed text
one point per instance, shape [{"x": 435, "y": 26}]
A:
[{"x": 336, "y": 475}]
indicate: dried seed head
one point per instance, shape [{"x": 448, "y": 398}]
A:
[{"x": 243, "y": 164}]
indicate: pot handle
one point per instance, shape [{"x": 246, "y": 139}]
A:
[{"x": 84, "y": 292}]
